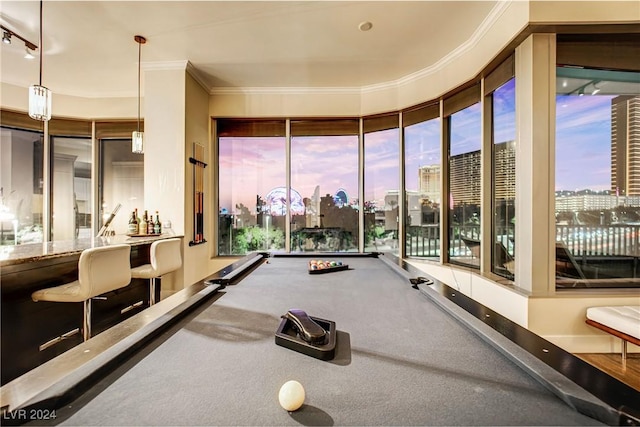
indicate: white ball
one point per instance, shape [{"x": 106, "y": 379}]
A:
[{"x": 291, "y": 395}]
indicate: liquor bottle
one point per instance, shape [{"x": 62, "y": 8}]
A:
[
  {"x": 133, "y": 224},
  {"x": 138, "y": 218},
  {"x": 157, "y": 227},
  {"x": 142, "y": 226},
  {"x": 150, "y": 225}
]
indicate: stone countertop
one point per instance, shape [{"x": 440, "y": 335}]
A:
[{"x": 31, "y": 252}]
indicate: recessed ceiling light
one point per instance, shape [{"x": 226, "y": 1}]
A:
[{"x": 365, "y": 26}]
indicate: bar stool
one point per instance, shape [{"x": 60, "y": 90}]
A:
[
  {"x": 165, "y": 258},
  {"x": 100, "y": 270}
]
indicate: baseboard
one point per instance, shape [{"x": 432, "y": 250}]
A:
[{"x": 590, "y": 344}]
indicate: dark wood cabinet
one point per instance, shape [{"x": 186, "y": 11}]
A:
[{"x": 26, "y": 324}]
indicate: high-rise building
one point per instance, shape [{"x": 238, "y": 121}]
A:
[
  {"x": 625, "y": 145},
  {"x": 465, "y": 178},
  {"x": 429, "y": 182},
  {"x": 505, "y": 171},
  {"x": 465, "y": 175}
]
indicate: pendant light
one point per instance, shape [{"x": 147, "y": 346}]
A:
[
  {"x": 137, "y": 138},
  {"x": 40, "y": 96}
]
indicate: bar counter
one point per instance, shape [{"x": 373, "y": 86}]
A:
[
  {"x": 32, "y": 252},
  {"x": 34, "y": 332}
]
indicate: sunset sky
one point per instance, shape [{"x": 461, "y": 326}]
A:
[
  {"x": 583, "y": 142},
  {"x": 255, "y": 166}
]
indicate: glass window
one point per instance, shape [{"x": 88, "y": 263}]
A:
[
  {"x": 121, "y": 182},
  {"x": 71, "y": 188},
  {"x": 21, "y": 185},
  {"x": 422, "y": 159},
  {"x": 597, "y": 206},
  {"x": 464, "y": 185},
  {"x": 252, "y": 193},
  {"x": 504, "y": 178},
  {"x": 324, "y": 183},
  {"x": 381, "y": 178}
]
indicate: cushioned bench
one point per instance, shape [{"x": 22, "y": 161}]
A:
[{"x": 620, "y": 321}]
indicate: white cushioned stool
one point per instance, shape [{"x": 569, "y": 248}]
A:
[
  {"x": 165, "y": 258},
  {"x": 621, "y": 321},
  {"x": 100, "y": 270}
]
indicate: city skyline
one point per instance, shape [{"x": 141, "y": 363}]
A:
[{"x": 255, "y": 166}]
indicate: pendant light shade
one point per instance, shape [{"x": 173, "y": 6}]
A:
[
  {"x": 40, "y": 96},
  {"x": 137, "y": 137},
  {"x": 137, "y": 142},
  {"x": 39, "y": 103}
]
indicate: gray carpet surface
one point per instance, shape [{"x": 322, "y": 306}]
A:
[{"x": 400, "y": 360}]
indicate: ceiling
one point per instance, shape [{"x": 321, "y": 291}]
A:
[{"x": 89, "y": 49}]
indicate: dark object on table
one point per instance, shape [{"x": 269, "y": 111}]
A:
[
  {"x": 308, "y": 330},
  {"x": 287, "y": 336},
  {"x": 417, "y": 280}
]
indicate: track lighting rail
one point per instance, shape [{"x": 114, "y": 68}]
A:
[{"x": 7, "y": 34}]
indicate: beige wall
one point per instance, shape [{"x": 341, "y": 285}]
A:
[
  {"x": 558, "y": 318},
  {"x": 505, "y": 300},
  {"x": 164, "y": 156},
  {"x": 561, "y": 319},
  {"x": 535, "y": 163},
  {"x": 198, "y": 261},
  {"x": 177, "y": 116},
  {"x": 164, "y": 148}
]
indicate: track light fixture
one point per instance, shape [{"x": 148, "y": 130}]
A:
[
  {"x": 585, "y": 89},
  {"x": 40, "y": 96},
  {"x": 7, "y": 34},
  {"x": 27, "y": 53},
  {"x": 137, "y": 138}
]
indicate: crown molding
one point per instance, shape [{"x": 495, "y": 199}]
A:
[
  {"x": 493, "y": 16},
  {"x": 285, "y": 90},
  {"x": 198, "y": 77}
]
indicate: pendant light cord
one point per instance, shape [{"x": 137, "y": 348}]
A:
[
  {"x": 139, "y": 56},
  {"x": 41, "y": 47}
]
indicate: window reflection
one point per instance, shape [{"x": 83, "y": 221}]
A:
[
  {"x": 597, "y": 204},
  {"x": 121, "y": 182},
  {"x": 71, "y": 188},
  {"x": 381, "y": 190},
  {"x": 422, "y": 182},
  {"x": 21, "y": 186},
  {"x": 252, "y": 194},
  {"x": 504, "y": 178},
  {"x": 464, "y": 186},
  {"x": 324, "y": 171}
]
